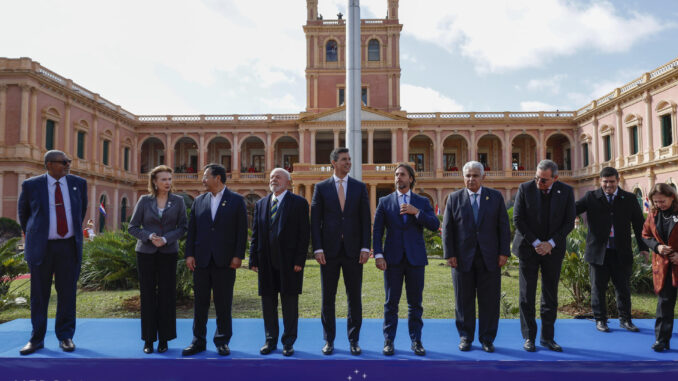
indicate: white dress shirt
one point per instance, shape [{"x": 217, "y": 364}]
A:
[
  {"x": 279, "y": 197},
  {"x": 51, "y": 188},
  {"x": 471, "y": 193},
  {"x": 214, "y": 202}
]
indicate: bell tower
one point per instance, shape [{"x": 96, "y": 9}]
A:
[{"x": 326, "y": 60}]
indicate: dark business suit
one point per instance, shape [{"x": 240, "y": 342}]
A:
[
  {"x": 214, "y": 243},
  {"x": 277, "y": 246},
  {"x": 157, "y": 266},
  {"x": 45, "y": 257},
  {"x": 341, "y": 235},
  {"x": 551, "y": 219},
  {"x": 405, "y": 254},
  {"x": 611, "y": 259},
  {"x": 477, "y": 247}
]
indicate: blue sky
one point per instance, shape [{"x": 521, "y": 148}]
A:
[{"x": 247, "y": 56}]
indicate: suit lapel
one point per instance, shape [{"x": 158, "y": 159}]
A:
[
  {"x": 223, "y": 204},
  {"x": 482, "y": 205},
  {"x": 466, "y": 208},
  {"x": 283, "y": 211},
  {"x": 44, "y": 196},
  {"x": 396, "y": 205}
]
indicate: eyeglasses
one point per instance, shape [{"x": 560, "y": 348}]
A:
[
  {"x": 541, "y": 180},
  {"x": 63, "y": 162}
]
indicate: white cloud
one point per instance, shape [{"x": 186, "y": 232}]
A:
[
  {"x": 285, "y": 104},
  {"x": 501, "y": 35},
  {"x": 424, "y": 99},
  {"x": 551, "y": 84},
  {"x": 539, "y": 106}
]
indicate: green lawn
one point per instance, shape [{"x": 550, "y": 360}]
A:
[{"x": 438, "y": 297}]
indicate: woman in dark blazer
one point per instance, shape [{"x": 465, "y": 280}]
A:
[
  {"x": 660, "y": 235},
  {"x": 158, "y": 222}
]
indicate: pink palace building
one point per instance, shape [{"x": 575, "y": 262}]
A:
[{"x": 632, "y": 128}]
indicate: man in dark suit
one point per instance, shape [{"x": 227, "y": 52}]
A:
[
  {"x": 215, "y": 247},
  {"x": 543, "y": 214},
  {"x": 340, "y": 230},
  {"x": 476, "y": 243},
  {"x": 280, "y": 236},
  {"x": 51, "y": 210},
  {"x": 404, "y": 214},
  {"x": 610, "y": 212}
]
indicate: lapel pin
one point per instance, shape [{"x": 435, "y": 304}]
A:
[
  {"x": 223, "y": 203},
  {"x": 487, "y": 197},
  {"x": 558, "y": 191},
  {"x": 622, "y": 197},
  {"x": 74, "y": 188}
]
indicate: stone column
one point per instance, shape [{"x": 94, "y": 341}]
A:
[
  {"x": 649, "y": 148},
  {"x": 596, "y": 159},
  {"x": 95, "y": 142},
  {"x": 93, "y": 204},
  {"x": 116, "y": 209},
  {"x": 508, "y": 147},
  {"x": 405, "y": 145},
  {"x": 541, "y": 147},
  {"x": 394, "y": 145},
  {"x": 68, "y": 130},
  {"x": 235, "y": 157},
  {"x": 473, "y": 149},
  {"x": 33, "y": 138},
  {"x": 620, "y": 137},
  {"x": 23, "y": 126},
  {"x": 3, "y": 113},
  {"x": 269, "y": 152},
  {"x": 438, "y": 152},
  {"x": 201, "y": 152},
  {"x": 336, "y": 138},
  {"x": 302, "y": 146},
  {"x": 370, "y": 146},
  {"x": 312, "y": 144},
  {"x": 116, "y": 155},
  {"x": 169, "y": 151}
]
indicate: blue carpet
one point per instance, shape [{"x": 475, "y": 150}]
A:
[{"x": 108, "y": 347}]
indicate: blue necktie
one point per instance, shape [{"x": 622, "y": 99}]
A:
[
  {"x": 274, "y": 209},
  {"x": 474, "y": 206},
  {"x": 404, "y": 202}
]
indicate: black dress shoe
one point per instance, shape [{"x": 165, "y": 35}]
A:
[
  {"x": 223, "y": 350},
  {"x": 418, "y": 348},
  {"x": 67, "y": 345},
  {"x": 487, "y": 346},
  {"x": 162, "y": 346},
  {"x": 355, "y": 349},
  {"x": 288, "y": 350},
  {"x": 658, "y": 346},
  {"x": 328, "y": 348},
  {"x": 31, "y": 347},
  {"x": 148, "y": 347},
  {"x": 529, "y": 345},
  {"x": 268, "y": 348},
  {"x": 389, "y": 350},
  {"x": 192, "y": 349},
  {"x": 551, "y": 344},
  {"x": 464, "y": 344},
  {"x": 628, "y": 325},
  {"x": 601, "y": 325}
]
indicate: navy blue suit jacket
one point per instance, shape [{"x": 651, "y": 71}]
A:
[
  {"x": 34, "y": 214},
  {"x": 329, "y": 224},
  {"x": 224, "y": 237},
  {"x": 403, "y": 238},
  {"x": 461, "y": 234}
]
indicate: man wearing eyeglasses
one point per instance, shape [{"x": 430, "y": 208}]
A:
[
  {"x": 52, "y": 208},
  {"x": 543, "y": 214}
]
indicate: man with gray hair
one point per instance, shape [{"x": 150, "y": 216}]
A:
[
  {"x": 280, "y": 237},
  {"x": 543, "y": 214},
  {"x": 476, "y": 244},
  {"x": 52, "y": 208}
]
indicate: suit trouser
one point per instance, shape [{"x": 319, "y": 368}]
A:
[
  {"x": 220, "y": 281},
  {"x": 666, "y": 302},
  {"x": 60, "y": 260},
  {"x": 621, "y": 276},
  {"x": 550, "y": 275},
  {"x": 353, "y": 279},
  {"x": 158, "y": 294},
  {"x": 487, "y": 285},
  {"x": 290, "y": 312},
  {"x": 414, "y": 289}
]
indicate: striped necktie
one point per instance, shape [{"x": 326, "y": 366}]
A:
[{"x": 274, "y": 208}]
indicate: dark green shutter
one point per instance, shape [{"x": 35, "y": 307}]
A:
[
  {"x": 667, "y": 137},
  {"x": 105, "y": 158},
  {"x": 585, "y": 150},
  {"x": 49, "y": 135},
  {"x": 81, "y": 145},
  {"x": 126, "y": 159}
]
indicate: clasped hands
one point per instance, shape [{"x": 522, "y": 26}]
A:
[
  {"x": 157, "y": 240},
  {"x": 235, "y": 263},
  {"x": 543, "y": 248},
  {"x": 320, "y": 257},
  {"x": 501, "y": 261},
  {"x": 668, "y": 251}
]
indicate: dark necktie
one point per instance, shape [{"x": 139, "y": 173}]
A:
[
  {"x": 405, "y": 202},
  {"x": 62, "y": 224},
  {"x": 475, "y": 207},
  {"x": 274, "y": 209},
  {"x": 610, "y": 242}
]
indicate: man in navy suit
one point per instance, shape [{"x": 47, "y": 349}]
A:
[
  {"x": 52, "y": 208},
  {"x": 544, "y": 215},
  {"x": 280, "y": 236},
  {"x": 476, "y": 243},
  {"x": 215, "y": 247},
  {"x": 404, "y": 214},
  {"x": 340, "y": 230}
]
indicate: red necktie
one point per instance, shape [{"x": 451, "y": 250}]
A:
[{"x": 62, "y": 225}]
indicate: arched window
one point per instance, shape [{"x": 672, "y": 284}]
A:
[
  {"x": 102, "y": 213},
  {"x": 373, "y": 53},
  {"x": 331, "y": 51},
  {"x": 123, "y": 210}
]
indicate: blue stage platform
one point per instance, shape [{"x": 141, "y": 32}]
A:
[{"x": 110, "y": 349}]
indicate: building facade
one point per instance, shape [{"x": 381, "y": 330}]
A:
[{"x": 633, "y": 128}]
